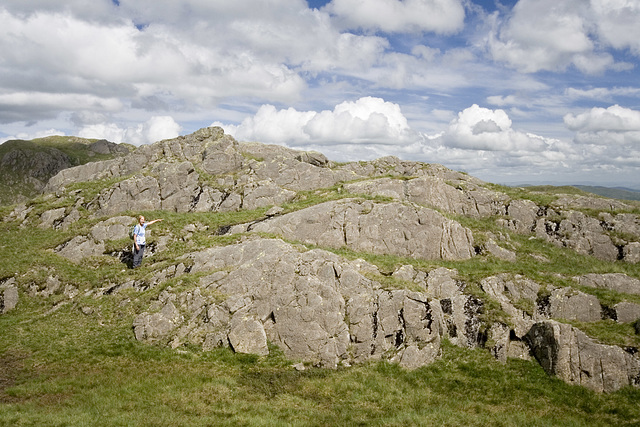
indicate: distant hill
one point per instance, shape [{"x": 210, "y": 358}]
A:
[
  {"x": 614, "y": 193},
  {"x": 26, "y": 166},
  {"x": 620, "y": 193}
]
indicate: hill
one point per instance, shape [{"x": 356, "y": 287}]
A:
[
  {"x": 26, "y": 166},
  {"x": 282, "y": 287},
  {"x": 609, "y": 192}
]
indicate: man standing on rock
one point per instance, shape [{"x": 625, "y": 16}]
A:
[{"x": 139, "y": 240}]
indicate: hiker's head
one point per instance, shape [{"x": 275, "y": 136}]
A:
[{"x": 141, "y": 219}]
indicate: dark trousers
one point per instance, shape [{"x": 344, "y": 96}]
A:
[{"x": 137, "y": 255}]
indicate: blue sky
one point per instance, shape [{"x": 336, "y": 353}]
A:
[{"x": 537, "y": 91}]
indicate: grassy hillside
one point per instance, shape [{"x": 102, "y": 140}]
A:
[{"x": 76, "y": 362}]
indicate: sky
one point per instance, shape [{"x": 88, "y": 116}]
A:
[{"x": 512, "y": 92}]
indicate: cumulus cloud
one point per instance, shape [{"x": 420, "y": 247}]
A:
[
  {"x": 368, "y": 120},
  {"x": 155, "y": 129},
  {"x": 606, "y": 126},
  {"x": 439, "y": 16},
  {"x": 478, "y": 128},
  {"x": 552, "y": 35}
]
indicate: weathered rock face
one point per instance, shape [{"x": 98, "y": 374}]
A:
[
  {"x": 81, "y": 247},
  {"x": 571, "y": 355},
  {"x": 613, "y": 281},
  {"x": 472, "y": 200},
  {"x": 314, "y": 305},
  {"x": 627, "y": 312},
  {"x": 381, "y": 228}
]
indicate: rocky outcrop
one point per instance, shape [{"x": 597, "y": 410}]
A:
[
  {"x": 314, "y": 305},
  {"x": 471, "y": 199},
  {"x": 381, "y": 228},
  {"x": 81, "y": 247},
  {"x": 571, "y": 355}
]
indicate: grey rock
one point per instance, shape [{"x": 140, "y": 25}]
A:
[
  {"x": 265, "y": 193},
  {"x": 523, "y": 214},
  {"x": 133, "y": 194},
  {"x": 247, "y": 335},
  {"x": 499, "y": 252},
  {"x": 631, "y": 252},
  {"x": 499, "y": 336},
  {"x": 49, "y": 218},
  {"x": 382, "y": 228},
  {"x": 113, "y": 228},
  {"x": 618, "y": 282},
  {"x": 572, "y": 356},
  {"x": 313, "y": 304},
  {"x": 442, "y": 283},
  {"x": 470, "y": 199},
  {"x": 589, "y": 202},
  {"x": 80, "y": 247},
  {"x": 8, "y": 297},
  {"x": 512, "y": 292},
  {"x": 627, "y": 312},
  {"x": 156, "y": 327},
  {"x": 569, "y": 304},
  {"x": 585, "y": 235}
]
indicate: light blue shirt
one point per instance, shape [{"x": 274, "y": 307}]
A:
[{"x": 140, "y": 232}]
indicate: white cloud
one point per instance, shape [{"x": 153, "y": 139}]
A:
[
  {"x": 606, "y": 127},
  {"x": 602, "y": 93},
  {"x": 439, "y": 16},
  {"x": 552, "y": 35},
  {"x": 614, "y": 118},
  {"x": 478, "y": 128},
  {"x": 617, "y": 22},
  {"x": 365, "y": 121},
  {"x": 154, "y": 129}
]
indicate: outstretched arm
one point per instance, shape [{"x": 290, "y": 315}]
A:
[{"x": 154, "y": 221}]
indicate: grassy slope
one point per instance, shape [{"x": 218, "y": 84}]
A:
[{"x": 65, "y": 367}]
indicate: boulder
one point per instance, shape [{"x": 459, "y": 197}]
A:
[
  {"x": 51, "y": 217},
  {"x": 499, "y": 252},
  {"x": 8, "y": 297},
  {"x": 569, "y": 304},
  {"x": 627, "y": 312},
  {"x": 572, "y": 356},
  {"x": 631, "y": 252},
  {"x": 80, "y": 247},
  {"x": 247, "y": 335},
  {"x": 156, "y": 327},
  {"x": 113, "y": 228},
  {"x": 618, "y": 282}
]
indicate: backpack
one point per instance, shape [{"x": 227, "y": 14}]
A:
[{"x": 132, "y": 232}]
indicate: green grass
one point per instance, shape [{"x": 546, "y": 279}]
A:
[{"x": 68, "y": 368}]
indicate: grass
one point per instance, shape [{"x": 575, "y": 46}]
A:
[{"x": 68, "y": 369}]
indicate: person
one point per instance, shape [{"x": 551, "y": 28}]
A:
[{"x": 139, "y": 240}]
